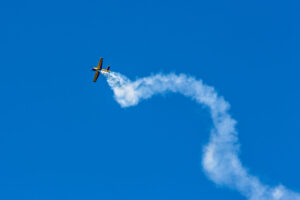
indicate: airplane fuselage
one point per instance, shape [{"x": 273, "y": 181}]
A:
[
  {"x": 95, "y": 69},
  {"x": 99, "y": 69},
  {"x": 104, "y": 70}
]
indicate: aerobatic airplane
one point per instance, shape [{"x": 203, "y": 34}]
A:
[{"x": 98, "y": 69}]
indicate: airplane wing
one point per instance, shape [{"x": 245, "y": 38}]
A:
[
  {"x": 100, "y": 64},
  {"x": 96, "y": 76}
]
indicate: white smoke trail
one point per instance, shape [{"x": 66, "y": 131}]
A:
[{"x": 220, "y": 160}]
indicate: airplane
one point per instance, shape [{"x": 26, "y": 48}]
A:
[{"x": 98, "y": 69}]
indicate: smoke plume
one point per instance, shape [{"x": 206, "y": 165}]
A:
[{"x": 220, "y": 159}]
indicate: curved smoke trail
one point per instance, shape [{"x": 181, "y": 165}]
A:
[{"x": 220, "y": 160}]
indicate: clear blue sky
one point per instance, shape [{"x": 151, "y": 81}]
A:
[{"x": 64, "y": 137}]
